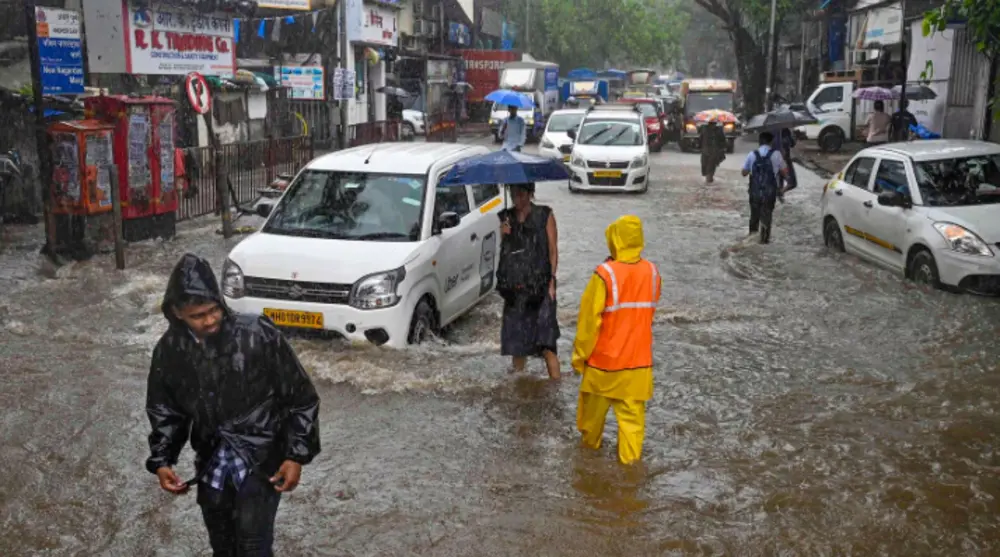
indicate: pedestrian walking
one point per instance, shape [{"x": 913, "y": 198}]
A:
[
  {"x": 713, "y": 148},
  {"x": 233, "y": 384},
  {"x": 784, "y": 141},
  {"x": 613, "y": 349},
  {"x": 900, "y": 122},
  {"x": 514, "y": 131},
  {"x": 878, "y": 125},
  {"x": 526, "y": 279},
  {"x": 764, "y": 166}
]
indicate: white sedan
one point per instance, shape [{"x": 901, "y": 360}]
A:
[{"x": 927, "y": 209}]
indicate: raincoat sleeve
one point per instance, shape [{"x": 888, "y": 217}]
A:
[
  {"x": 298, "y": 399},
  {"x": 171, "y": 426},
  {"x": 588, "y": 323}
]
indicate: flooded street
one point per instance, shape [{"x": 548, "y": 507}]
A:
[{"x": 806, "y": 403}]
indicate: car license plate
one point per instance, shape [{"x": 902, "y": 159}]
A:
[
  {"x": 607, "y": 174},
  {"x": 288, "y": 318},
  {"x": 565, "y": 158}
]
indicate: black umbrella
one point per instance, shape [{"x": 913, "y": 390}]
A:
[
  {"x": 779, "y": 119},
  {"x": 916, "y": 92},
  {"x": 394, "y": 91}
]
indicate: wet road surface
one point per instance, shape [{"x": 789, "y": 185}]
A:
[{"x": 806, "y": 403}]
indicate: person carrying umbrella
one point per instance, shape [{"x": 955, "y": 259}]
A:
[
  {"x": 713, "y": 148},
  {"x": 514, "y": 130},
  {"x": 899, "y": 124},
  {"x": 764, "y": 166},
  {"x": 613, "y": 349}
]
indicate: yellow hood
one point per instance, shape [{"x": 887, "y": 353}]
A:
[{"x": 625, "y": 240}]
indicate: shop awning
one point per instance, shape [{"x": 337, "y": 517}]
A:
[{"x": 883, "y": 27}]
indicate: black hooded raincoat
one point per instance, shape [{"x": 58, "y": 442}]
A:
[{"x": 243, "y": 386}]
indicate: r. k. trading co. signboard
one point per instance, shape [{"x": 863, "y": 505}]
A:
[{"x": 167, "y": 42}]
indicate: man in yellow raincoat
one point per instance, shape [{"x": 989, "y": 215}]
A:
[{"x": 614, "y": 341}]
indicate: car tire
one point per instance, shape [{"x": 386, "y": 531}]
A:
[
  {"x": 685, "y": 146},
  {"x": 923, "y": 269},
  {"x": 830, "y": 140},
  {"x": 832, "y": 236},
  {"x": 658, "y": 147},
  {"x": 423, "y": 325},
  {"x": 409, "y": 131},
  {"x": 572, "y": 189},
  {"x": 497, "y": 138}
]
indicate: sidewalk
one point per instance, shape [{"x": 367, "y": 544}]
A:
[{"x": 825, "y": 164}]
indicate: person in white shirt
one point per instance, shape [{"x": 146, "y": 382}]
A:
[
  {"x": 878, "y": 125},
  {"x": 514, "y": 131}
]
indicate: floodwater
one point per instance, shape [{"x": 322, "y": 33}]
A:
[{"x": 806, "y": 403}]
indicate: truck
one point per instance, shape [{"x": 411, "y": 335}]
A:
[
  {"x": 536, "y": 79},
  {"x": 587, "y": 90},
  {"x": 699, "y": 95},
  {"x": 840, "y": 116},
  {"x": 482, "y": 71},
  {"x": 616, "y": 82}
]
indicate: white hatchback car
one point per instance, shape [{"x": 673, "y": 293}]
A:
[
  {"x": 610, "y": 150},
  {"x": 555, "y": 140},
  {"x": 927, "y": 209},
  {"x": 364, "y": 243}
]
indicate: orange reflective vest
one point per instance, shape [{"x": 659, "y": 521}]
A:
[{"x": 626, "y": 337}]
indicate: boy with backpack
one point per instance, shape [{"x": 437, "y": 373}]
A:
[{"x": 764, "y": 166}]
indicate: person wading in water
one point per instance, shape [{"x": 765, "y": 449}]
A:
[
  {"x": 713, "y": 148},
  {"x": 233, "y": 384},
  {"x": 526, "y": 279}
]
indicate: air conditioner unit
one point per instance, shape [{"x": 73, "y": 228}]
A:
[{"x": 436, "y": 12}]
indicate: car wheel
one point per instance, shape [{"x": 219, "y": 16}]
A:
[
  {"x": 832, "y": 236},
  {"x": 923, "y": 269},
  {"x": 685, "y": 146},
  {"x": 658, "y": 147},
  {"x": 423, "y": 324},
  {"x": 409, "y": 131},
  {"x": 497, "y": 138},
  {"x": 831, "y": 140}
]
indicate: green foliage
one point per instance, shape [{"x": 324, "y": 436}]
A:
[{"x": 595, "y": 32}]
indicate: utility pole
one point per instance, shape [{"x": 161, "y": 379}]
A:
[
  {"x": 41, "y": 137},
  {"x": 802, "y": 64},
  {"x": 769, "y": 101},
  {"x": 527, "y": 25},
  {"x": 344, "y": 103}
]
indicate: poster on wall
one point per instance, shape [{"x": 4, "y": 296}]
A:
[
  {"x": 66, "y": 168},
  {"x": 99, "y": 158},
  {"x": 164, "y": 42},
  {"x": 303, "y": 82},
  {"x": 60, "y": 51}
]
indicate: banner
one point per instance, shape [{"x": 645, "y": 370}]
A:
[
  {"x": 304, "y": 5},
  {"x": 60, "y": 51},
  {"x": 163, "y": 42}
]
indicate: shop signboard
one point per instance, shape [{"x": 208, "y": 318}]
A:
[
  {"x": 303, "y": 5},
  {"x": 60, "y": 51},
  {"x": 166, "y": 42},
  {"x": 303, "y": 82},
  {"x": 371, "y": 24}
]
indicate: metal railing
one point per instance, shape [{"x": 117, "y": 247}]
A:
[
  {"x": 249, "y": 165},
  {"x": 373, "y": 132},
  {"x": 442, "y": 127}
]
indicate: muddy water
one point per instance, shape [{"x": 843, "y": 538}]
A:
[{"x": 806, "y": 404}]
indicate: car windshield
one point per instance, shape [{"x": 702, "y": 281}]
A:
[
  {"x": 698, "y": 102},
  {"x": 564, "y": 122},
  {"x": 957, "y": 182},
  {"x": 351, "y": 206},
  {"x": 648, "y": 110},
  {"x": 618, "y": 133}
]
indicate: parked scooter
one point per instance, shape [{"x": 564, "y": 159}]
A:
[{"x": 11, "y": 182}]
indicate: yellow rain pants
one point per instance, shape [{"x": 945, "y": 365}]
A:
[{"x": 591, "y": 413}]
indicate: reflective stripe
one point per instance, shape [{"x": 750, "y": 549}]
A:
[{"x": 614, "y": 284}]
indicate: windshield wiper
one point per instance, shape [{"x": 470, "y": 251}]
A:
[
  {"x": 591, "y": 139},
  {"x": 616, "y": 136},
  {"x": 380, "y": 236},
  {"x": 303, "y": 232}
]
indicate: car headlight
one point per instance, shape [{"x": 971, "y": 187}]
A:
[
  {"x": 578, "y": 161},
  {"x": 377, "y": 291},
  {"x": 492, "y": 121},
  {"x": 729, "y": 127},
  {"x": 654, "y": 127},
  {"x": 639, "y": 161},
  {"x": 548, "y": 144},
  {"x": 691, "y": 127},
  {"x": 232, "y": 280},
  {"x": 962, "y": 240}
]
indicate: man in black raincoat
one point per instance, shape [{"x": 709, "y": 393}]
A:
[{"x": 232, "y": 383}]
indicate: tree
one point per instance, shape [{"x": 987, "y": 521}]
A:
[
  {"x": 700, "y": 44},
  {"x": 982, "y": 19},
  {"x": 598, "y": 32},
  {"x": 748, "y": 24}
]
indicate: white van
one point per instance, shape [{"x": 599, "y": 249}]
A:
[{"x": 364, "y": 243}]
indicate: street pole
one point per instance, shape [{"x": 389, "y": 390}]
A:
[
  {"x": 527, "y": 25},
  {"x": 802, "y": 64},
  {"x": 768, "y": 101},
  {"x": 41, "y": 137},
  {"x": 902, "y": 55},
  {"x": 344, "y": 103},
  {"x": 116, "y": 215}
]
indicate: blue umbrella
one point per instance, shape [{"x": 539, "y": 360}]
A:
[
  {"x": 510, "y": 98},
  {"x": 504, "y": 167}
]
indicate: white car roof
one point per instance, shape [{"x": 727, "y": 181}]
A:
[
  {"x": 399, "y": 158},
  {"x": 569, "y": 111},
  {"x": 614, "y": 115},
  {"x": 935, "y": 149}
]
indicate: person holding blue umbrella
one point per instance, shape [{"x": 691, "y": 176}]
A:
[{"x": 514, "y": 130}]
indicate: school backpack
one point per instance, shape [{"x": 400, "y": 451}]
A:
[
  {"x": 763, "y": 180},
  {"x": 524, "y": 271}
]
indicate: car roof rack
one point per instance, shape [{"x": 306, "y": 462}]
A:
[{"x": 628, "y": 107}]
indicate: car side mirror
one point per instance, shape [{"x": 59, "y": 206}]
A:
[
  {"x": 264, "y": 209},
  {"x": 892, "y": 199},
  {"x": 448, "y": 220},
  {"x": 571, "y": 134}
]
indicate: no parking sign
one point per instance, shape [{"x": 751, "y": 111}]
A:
[{"x": 198, "y": 93}]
